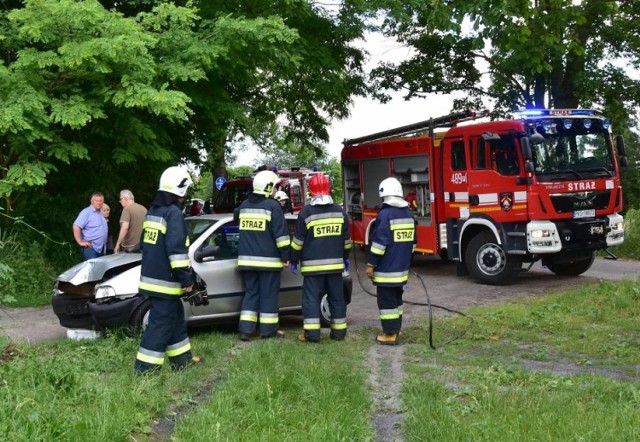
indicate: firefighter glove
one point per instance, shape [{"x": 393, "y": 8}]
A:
[
  {"x": 347, "y": 264},
  {"x": 370, "y": 271},
  {"x": 294, "y": 268}
]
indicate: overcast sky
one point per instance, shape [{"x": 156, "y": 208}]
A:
[{"x": 369, "y": 116}]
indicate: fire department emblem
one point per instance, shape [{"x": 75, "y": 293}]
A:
[{"x": 506, "y": 201}]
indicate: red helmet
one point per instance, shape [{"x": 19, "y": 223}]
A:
[{"x": 319, "y": 185}]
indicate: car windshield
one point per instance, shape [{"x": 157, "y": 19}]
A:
[
  {"x": 197, "y": 226},
  {"x": 572, "y": 154}
]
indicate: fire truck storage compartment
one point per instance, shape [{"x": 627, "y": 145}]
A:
[
  {"x": 413, "y": 173},
  {"x": 352, "y": 190},
  {"x": 374, "y": 172}
]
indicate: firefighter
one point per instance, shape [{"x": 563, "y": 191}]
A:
[
  {"x": 282, "y": 198},
  {"x": 165, "y": 276},
  {"x": 321, "y": 243},
  {"x": 263, "y": 250},
  {"x": 390, "y": 257}
]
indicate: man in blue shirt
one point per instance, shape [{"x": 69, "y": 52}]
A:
[{"x": 90, "y": 229}]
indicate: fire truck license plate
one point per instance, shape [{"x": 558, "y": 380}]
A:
[
  {"x": 596, "y": 230},
  {"x": 584, "y": 213}
]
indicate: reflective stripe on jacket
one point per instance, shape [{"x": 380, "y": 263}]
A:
[
  {"x": 390, "y": 251},
  {"x": 166, "y": 268},
  {"x": 264, "y": 236},
  {"x": 321, "y": 241}
]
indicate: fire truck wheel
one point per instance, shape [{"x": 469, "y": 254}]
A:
[
  {"x": 488, "y": 263},
  {"x": 325, "y": 314},
  {"x": 573, "y": 267}
]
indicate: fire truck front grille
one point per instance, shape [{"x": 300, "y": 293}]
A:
[
  {"x": 583, "y": 233},
  {"x": 569, "y": 202}
]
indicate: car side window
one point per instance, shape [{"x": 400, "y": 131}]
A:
[{"x": 226, "y": 238}]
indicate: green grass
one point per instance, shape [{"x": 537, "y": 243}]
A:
[
  {"x": 562, "y": 367},
  {"x": 86, "y": 390},
  {"x": 556, "y": 368},
  {"x": 288, "y": 391}
]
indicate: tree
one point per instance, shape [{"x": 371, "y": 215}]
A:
[
  {"x": 107, "y": 94},
  {"x": 521, "y": 53},
  {"x": 279, "y": 88},
  {"x": 534, "y": 53},
  {"x": 79, "y": 82}
]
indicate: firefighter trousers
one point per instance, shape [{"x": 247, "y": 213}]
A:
[
  {"x": 390, "y": 306},
  {"x": 260, "y": 302},
  {"x": 313, "y": 289},
  {"x": 166, "y": 333}
]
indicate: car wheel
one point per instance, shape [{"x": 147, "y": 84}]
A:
[
  {"x": 140, "y": 317},
  {"x": 325, "y": 314}
]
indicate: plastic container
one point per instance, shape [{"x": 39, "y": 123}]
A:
[{"x": 78, "y": 334}]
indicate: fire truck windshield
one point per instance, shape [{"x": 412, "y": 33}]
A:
[{"x": 571, "y": 154}]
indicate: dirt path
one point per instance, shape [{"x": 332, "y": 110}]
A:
[{"x": 30, "y": 325}]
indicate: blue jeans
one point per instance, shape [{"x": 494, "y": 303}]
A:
[{"x": 88, "y": 253}]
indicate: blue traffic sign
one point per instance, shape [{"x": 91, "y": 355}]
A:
[{"x": 220, "y": 181}]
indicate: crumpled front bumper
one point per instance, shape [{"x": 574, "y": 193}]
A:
[{"x": 75, "y": 311}]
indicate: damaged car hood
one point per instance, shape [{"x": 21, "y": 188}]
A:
[{"x": 96, "y": 268}]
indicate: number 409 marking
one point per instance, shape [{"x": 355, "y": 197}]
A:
[{"x": 458, "y": 178}]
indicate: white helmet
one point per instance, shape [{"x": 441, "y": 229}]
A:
[
  {"x": 390, "y": 187},
  {"x": 175, "y": 180},
  {"x": 264, "y": 181},
  {"x": 281, "y": 195}
]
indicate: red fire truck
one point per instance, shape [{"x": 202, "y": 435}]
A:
[
  {"x": 496, "y": 194},
  {"x": 293, "y": 182}
]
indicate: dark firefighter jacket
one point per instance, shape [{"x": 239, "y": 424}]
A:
[
  {"x": 392, "y": 246},
  {"x": 321, "y": 241},
  {"x": 166, "y": 268},
  {"x": 264, "y": 235}
]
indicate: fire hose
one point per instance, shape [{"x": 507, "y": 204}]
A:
[{"x": 428, "y": 304}]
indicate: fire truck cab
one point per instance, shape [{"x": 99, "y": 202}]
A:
[
  {"x": 292, "y": 181},
  {"x": 494, "y": 195}
]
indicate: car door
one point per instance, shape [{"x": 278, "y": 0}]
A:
[{"x": 225, "y": 286}]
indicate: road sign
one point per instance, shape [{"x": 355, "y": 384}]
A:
[{"x": 220, "y": 181}]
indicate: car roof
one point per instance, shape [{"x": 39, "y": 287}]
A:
[{"x": 221, "y": 216}]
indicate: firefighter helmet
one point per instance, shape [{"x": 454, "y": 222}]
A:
[
  {"x": 281, "y": 195},
  {"x": 390, "y": 187},
  {"x": 264, "y": 181},
  {"x": 175, "y": 180},
  {"x": 319, "y": 185}
]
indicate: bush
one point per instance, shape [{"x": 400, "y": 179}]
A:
[
  {"x": 8, "y": 245},
  {"x": 630, "y": 248},
  {"x": 29, "y": 265}
]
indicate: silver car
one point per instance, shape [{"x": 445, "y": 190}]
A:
[{"x": 103, "y": 292}]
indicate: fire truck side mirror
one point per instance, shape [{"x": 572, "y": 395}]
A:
[
  {"x": 526, "y": 149},
  {"x": 621, "y": 151},
  {"x": 536, "y": 138}
]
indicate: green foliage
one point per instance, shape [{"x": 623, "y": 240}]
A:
[
  {"x": 77, "y": 75},
  {"x": 33, "y": 262},
  {"x": 8, "y": 246},
  {"x": 561, "y": 54},
  {"x": 630, "y": 248}
]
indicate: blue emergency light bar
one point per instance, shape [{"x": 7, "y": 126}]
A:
[{"x": 532, "y": 113}]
